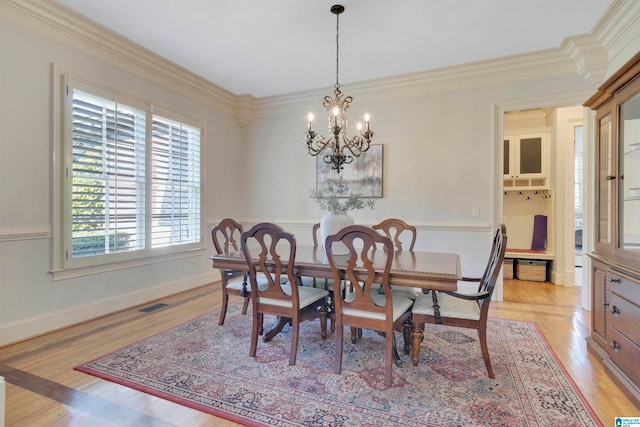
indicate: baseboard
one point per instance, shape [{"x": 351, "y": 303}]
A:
[{"x": 38, "y": 325}]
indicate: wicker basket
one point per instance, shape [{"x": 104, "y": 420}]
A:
[
  {"x": 531, "y": 270},
  {"x": 507, "y": 270}
]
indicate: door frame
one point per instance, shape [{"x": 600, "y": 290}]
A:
[{"x": 549, "y": 101}]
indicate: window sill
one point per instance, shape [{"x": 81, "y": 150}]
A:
[{"x": 71, "y": 273}]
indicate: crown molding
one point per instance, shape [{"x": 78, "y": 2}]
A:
[
  {"x": 508, "y": 69},
  {"x": 619, "y": 27},
  {"x": 590, "y": 56},
  {"x": 58, "y": 23},
  {"x": 585, "y": 55}
]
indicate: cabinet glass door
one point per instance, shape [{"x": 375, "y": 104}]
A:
[
  {"x": 605, "y": 181},
  {"x": 506, "y": 166},
  {"x": 629, "y": 172},
  {"x": 530, "y": 155}
]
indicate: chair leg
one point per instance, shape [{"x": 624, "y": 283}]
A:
[
  {"x": 245, "y": 305},
  {"x": 396, "y": 356},
  {"x": 323, "y": 324},
  {"x": 295, "y": 332},
  {"x": 354, "y": 335},
  {"x": 255, "y": 329},
  {"x": 337, "y": 367},
  {"x": 388, "y": 360},
  {"x": 482, "y": 333},
  {"x": 223, "y": 309}
]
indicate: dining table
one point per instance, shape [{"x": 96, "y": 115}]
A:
[{"x": 425, "y": 270}]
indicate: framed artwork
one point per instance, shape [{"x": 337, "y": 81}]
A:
[{"x": 364, "y": 174}]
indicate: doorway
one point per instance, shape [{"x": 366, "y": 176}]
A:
[{"x": 553, "y": 189}]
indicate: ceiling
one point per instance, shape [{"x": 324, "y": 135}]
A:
[{"x": 275, "y": 47}]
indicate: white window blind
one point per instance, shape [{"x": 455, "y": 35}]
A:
[
  {"x": 175, "y": 183},
  {"x": 108, "y": 176},
  {"x": 117, "y": 150}
]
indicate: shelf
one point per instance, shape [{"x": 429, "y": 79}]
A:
[{"x": 525, "y": 184}]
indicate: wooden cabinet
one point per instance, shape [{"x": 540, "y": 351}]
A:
[
  {"x": 615, "y": 335},
  {"x": 526, "y": 159}
]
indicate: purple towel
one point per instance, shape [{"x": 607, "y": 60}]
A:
[{"x": 539, "y": 232}]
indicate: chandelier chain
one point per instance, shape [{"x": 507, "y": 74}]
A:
[{"x": 337, "y": 86}]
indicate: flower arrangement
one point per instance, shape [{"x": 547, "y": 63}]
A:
[{"x": 333, "y": 191}]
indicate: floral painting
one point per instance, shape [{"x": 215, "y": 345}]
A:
[{"x": 363, "y": 175}]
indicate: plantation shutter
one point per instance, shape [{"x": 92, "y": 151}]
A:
[
  {"x": 108, "y": 176},
  {"x": 175, "y": 183}
]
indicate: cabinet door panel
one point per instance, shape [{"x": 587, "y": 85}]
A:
[
  {"x": 530, "y": 155},
  {"x": 629, "y": 171},
  {"x": 507, "y": 159}
]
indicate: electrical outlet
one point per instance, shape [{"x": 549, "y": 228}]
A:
[{"x": 475, "y": 211}]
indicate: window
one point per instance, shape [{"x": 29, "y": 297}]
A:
[{"x": 132, "y": 184}]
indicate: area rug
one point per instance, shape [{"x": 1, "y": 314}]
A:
[{"x": 207, "y": 367}]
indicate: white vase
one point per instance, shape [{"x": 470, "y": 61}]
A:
[{"x": 330, "y": 224}]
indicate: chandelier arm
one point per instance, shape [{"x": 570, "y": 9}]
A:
[
  {"x": 356, "y": 146},
  {"x": 346, "y": 103},
  {"x": 317, "y": 145}
]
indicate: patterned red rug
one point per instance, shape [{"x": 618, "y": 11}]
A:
[{"x": 207, "y": 367}]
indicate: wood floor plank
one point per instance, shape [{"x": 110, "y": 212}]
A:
[
  {"x": 77, "y": 399},
  {"x": 44, "y": 390}
]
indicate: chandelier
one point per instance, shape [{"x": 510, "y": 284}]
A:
[{"x": 338, "y": 149}]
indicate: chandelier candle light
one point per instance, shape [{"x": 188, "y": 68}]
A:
[{"x": 341, "y": 149}]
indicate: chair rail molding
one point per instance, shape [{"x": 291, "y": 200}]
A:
[{"x": 29, "y": 232}]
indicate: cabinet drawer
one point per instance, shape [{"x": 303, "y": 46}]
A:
[
  {"x": 625, "y": 354},
  {"x": 625, "y": 317},
  {"x": 622, "y": 285}
]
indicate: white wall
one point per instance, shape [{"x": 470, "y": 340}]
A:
[
  {"x": 439, "y": 162},
  {"x": 31, "y": 302},
  {"x": 440, "y": 158}
]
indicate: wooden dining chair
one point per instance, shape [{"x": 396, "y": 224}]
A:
[
  {"x": 395, "y": 229},
  {"x": 283, "y": 295},
  {"x": 326, "y": 284},
  {"x": 357, "y": 306},
  {"x": 226, "y": 237},
  {"x": 462, "y": 310}
]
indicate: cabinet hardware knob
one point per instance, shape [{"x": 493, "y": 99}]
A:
[
  {"x": 610, "y": 177},
  {"x": 615, "y": 346},
  {"x": 612, "y": 280},
  {"x": 615, "y": 311}
]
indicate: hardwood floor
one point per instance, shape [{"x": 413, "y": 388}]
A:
[{"x": 43, "y": 389}]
